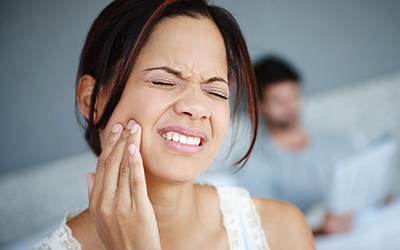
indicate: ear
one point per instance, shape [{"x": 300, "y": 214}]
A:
[{"x": 84, "y": 95}]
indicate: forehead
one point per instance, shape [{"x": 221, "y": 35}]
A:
[
  {"x": 193, "y": 46},
  {"x": 282, "y": 88}
]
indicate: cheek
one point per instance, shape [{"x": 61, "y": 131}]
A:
[
  {"x": 138, "y": 105},
  {"x": 275, "y": 107},
  {"x": 220, "y": 122},
  {"x": 143, "y": 105},
  {"x": 297, "y": 104}
]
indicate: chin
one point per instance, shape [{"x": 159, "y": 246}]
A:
[
  {"x": 175, "y": 172},
  {"x": 175, "y": 169}
]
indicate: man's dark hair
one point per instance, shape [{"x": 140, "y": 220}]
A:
[{"x": 271, "y": 70}]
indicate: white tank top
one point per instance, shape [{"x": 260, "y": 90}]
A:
[{"x": 240, "y": 218}]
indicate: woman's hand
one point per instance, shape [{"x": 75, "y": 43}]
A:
[{"x": 117, "y": 193}]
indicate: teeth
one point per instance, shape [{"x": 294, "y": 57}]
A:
[
  {"x": 169, "y": 136},
  {"x": 173, "y": 136},
  {"x": 183, "y": 139}
]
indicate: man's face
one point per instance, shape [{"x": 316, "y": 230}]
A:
[{"x": 281, "y": 104}]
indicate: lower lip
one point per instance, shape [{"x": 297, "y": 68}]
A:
[{"x": 182, "y": 148}]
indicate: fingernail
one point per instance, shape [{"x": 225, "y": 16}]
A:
[
  {"x": 116, "y": 128},
  {"x": 130, "y": 124},
  {"x": 132, "y": 149},
  {"x": 134, "y": 128}
]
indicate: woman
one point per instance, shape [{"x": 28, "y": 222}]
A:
[{"x": 154, "y": 85}]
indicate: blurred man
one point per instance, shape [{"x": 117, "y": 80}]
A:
[{"x": 290, "y": 162}]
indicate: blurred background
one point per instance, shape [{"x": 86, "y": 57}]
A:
[{"x": 347, "y": 51}]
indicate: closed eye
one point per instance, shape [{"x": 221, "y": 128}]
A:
[
  {"x": 217, "y": 95},
  {"x": 163, "y": 83}
]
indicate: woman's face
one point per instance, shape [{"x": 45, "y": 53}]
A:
[{"x": 177, "y": 91}]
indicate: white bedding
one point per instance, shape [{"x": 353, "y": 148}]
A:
[{"x": 376, "y": 229}]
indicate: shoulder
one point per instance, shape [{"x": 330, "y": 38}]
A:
[
  {"x": 84, "y": 231},
  {"x": 61, "y": 237},
  {"x": 328, "y": 135},
  {"x": 284, "y": 224}
]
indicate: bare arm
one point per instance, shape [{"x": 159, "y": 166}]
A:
[{"x": 284, "y": 225}]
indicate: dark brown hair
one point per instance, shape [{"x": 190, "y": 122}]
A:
[
  {"x": 121, "y": 31},
  {"x": 271, "y": 70}
]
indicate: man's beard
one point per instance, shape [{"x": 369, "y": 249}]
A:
[{"x": 280, "y": 124}]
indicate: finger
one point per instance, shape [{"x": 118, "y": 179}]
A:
[
  {"x": 346, "y": 222},
  {"x": 349, "y": 216},
  {"x": 136, "y": 131},
  {"x": 342, "y": 227},
  {"x": 124, "y": 190},
  {"x": 109, "y": 145},
  {"x": 340, "y": 224},
  {"x": 112, "y": 166},
  {"x": 137, "y": 178},
  {"x": 344, "y": 219}
]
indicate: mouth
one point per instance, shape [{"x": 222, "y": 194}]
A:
[
  {"x": 177, "y": 137},
  {"x": 183, "y": 139}
]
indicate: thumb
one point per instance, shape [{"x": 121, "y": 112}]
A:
[{"x": 90, "y": 182}]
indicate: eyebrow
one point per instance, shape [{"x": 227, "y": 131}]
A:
[{"x": 179, "y": 74}]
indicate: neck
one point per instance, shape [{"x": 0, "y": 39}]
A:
[
  {"x": 291, "y": 137},
  {"x": 173, "y": 203}
]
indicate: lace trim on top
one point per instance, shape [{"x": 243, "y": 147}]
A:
[
  {"x": 241, "y": 219},
  {"x": 60, "y": 238}
]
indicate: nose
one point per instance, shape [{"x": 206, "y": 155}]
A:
[{"x": 193, "y": 105}]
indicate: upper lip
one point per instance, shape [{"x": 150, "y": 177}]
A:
[{"x": 185, "y": 130}]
